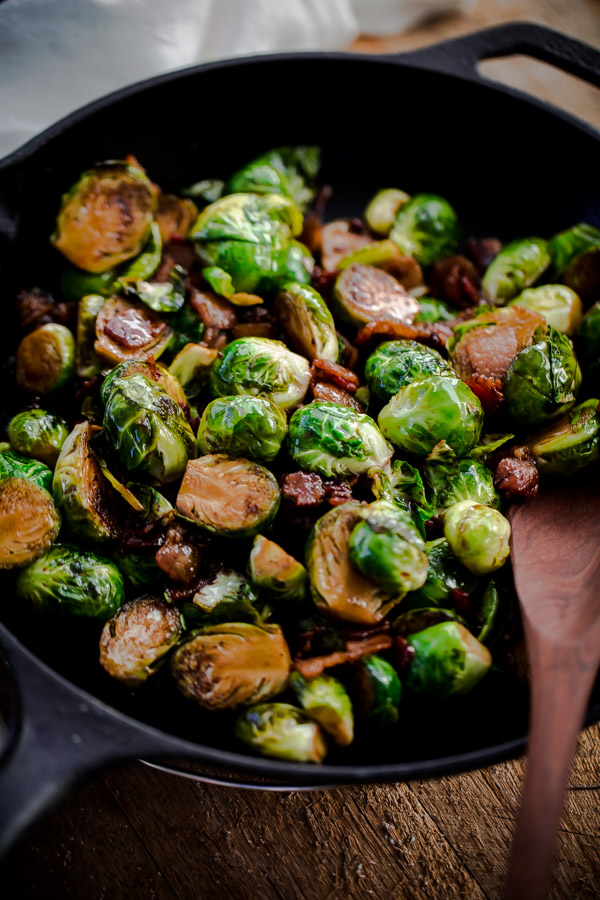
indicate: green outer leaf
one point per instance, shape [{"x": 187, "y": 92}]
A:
[
  {"x": 261, "y": 366},
  {"x": 15, "y": 465},
  {"x": 145, "y": 265},
  {"x": 286, "y": 170},
  {"x": 378, "y": 691},
  {"x": 451, "y": 479},
  {"x": 517, "y": 266},
  {"x": 396, "y": 363},
  {"x": 242, "y": 426},
  {"x": 569, "y": 245},
  {"x": 427, "y": 228}
]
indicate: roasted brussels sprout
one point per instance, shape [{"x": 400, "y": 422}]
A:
[
  {"x": 451, "y": 479},
  {"x": 205, "y": 191},
  {"x": 377, "y": 691},
  {"x": 275, "y": 572},
  {"x": 331, "y": 439},
  {"x": 191, "y": 367},
  {"x": 14, "y": 465},
  {"x": 30, "y": 522},
  {"x": 105, "y": 218},
  {"x": 445, "y": 575},
  {"x": 381, "y": 254},
  {"x": 326, "y": 700},
  {"x": 289, "y": 171},
  {"x": 448, "y": 660},
  {"x": 135, "y": 640},
  {"x": 571, "y": 245},
  {"x": 229, "y": 597},
  {"x": 145, "y": 265},
  {"x": 432, "y": 310},
  {"x": 402, "y": 485},
  {"x": 139, "y": 569},
  {"x": 383, "y": 208},
  {"x": 570, "y": 443},
  {"x": 161, "y": 296},
  {"x": 261, "y": 366},
  {"x": 38, "y": 434},
  {"x": 364, "y": 294},
  {"x": 281, "y": 731},
  {"x": 147, "y": 429},
  {"x": 478, "y": 536},
  {"x": 174, "y": 216},
  {"x": 431, "y": 409},
  {"x": 248, "y": 426},
  {"x": 488, "y": 343},
  {"x": 45, "y": 359},
  {"x": 396, "y": 363},
  {"x": 87, "y": 361},
  {"x": 559, "y": 305},
  {"x": 154, "y": 372},
  {"x": 517, "y": 266},
  {"x": 231, "y": 497},
  {"x": 228, "y": 665},
  {"x": 307, "y": 322},
  {"x": 125, "y": 330},
  {"x": 427, "y": 228},
  {"x": 72, "y": 582}
]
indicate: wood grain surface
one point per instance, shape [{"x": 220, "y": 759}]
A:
[{"x": 141, "y": 834}]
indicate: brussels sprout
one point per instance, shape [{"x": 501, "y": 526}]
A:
[
  {"x": 290, "y": 171},
  {"x": 147, "y": 429},
  {"x": 383, "y": 208},
  {"x": 559, "y": 305},
  {"x": 160, "y": 296},
  {"x": 80, "y": 489},
  {"x": 205, "y": 191},
  {"x": 403, "y": 485},
  {"x": 105, "y": 218},
  {"x": 30, "y": 522},
  {"x": 396, "y": 363},
  {"x": 75, "y": 283},
  {"x": 242, "y": 426},
  {"x": 570, "y": 245},
  {"x": 72, "y": 582},
  {"x": 488, "y": 445},
  {"x": 191, "y": 367},
  {"x": 570, "y": 443},
  {"x": 154, "y": 372},
  {"x": 493, "y": 611},
  {"x": 516, "y": 267},
  {"x": 427, "y": 228},
  {"x": 365, "y": 294},
  {"x": 378, "y": 691},
  {"x": 415, "y": 620},
  {"x": 448, "y": 660},
  {"x": 326, "y": 700},
  {"x": 331, "y": 439},
  {"x": 261, "y": 366},
  {"x": 307, "y": 321},
  {"x": 478, "y": 536},
  {"x": 174, "y": 216},
  {"x": 281, "y": 731},
  {"x": 38, "y": 434},
  {"x": 296, "y": 265},
  {"x": 140, "y": 569},
  {"x": 543, "y": 380},
  {"x": 188, "y": 328},
  {"x": 154, "y": 506},
  {"x": 451, "y": 479},
  {"x": 388, "y": 548},
  {"x": 14, "y": 465},
  {"x": 432, "y": 310},
  {"x": 45, "y": 359},
  {"x": 338, "y": 589},
  {"x": 445, "y": 575},
  {"x": 382, "y": 254},
  {"x": 275, "y": 572},
  {"x": 229, "y": 597},
  {"x": 125, "y": 330},
  {"x": 589, "y": 341},
  {"x": 231, "y": 497},
  {"x": 431, "y": 409},
  {"x": 136, "y": 639},
  {"x": 87, "y": 361},
  {"x": 145, "y": 265},
  {"x": 229, "y": 665}
]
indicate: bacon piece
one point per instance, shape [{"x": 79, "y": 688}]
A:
[
  {"x": 404, "y": 269},
  {"x": 338, "y": 492},
  {"x": 354, "y": 651},
  {"x": 179, "y": 558},
  {"x": 403, "y": 653},
  {"x": 324, "y": 391},
  {"x": 303, "y": 489},
  {"x": 434, "y": 334},
  {"x": 322, "y": 370},
  {"x": 456, "y": 280},
  {"x": 489, "y": 391},
  {"x": 490, "y": 347},
  {"x": 35, "y": 308},
  {"x": 311, "y": 235},
  {"x": 483, "y": 251},
  {"x": 339, "y": 239},
  {"x": 215, "y": 311},
  {"x": 323, "y": 281},
  {"x": 517, "y": 475}
]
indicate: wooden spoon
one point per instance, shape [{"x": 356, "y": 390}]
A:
[{"x": 556, "y": 560}]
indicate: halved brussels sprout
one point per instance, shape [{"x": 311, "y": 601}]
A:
[
  {"x": 147, "y": 429},
  {"x": 326, "y": 700},
  {"x": 377, "y": 690},
  {"x": 338, "y": 589},
  {"x": 38, "y": 434},
  {"x": 365, "y": 294},
  {"x": 145, "y": 265},
  {"x": 72, "y": 582},
  {"x": 517, "y": 266},
  {"x": 445, "y": 575},
  {"x": 431, "y": 409},
  {"x": 427, "y": 228},
  {"x": 30, "y": 522},
  {"x": 14, "y": 465},
  {"x": 45, "y": 359},
  {"x": 448, "y": 660},
  {"x": 432, "y": 310},
  {"x": 290, "y": 171},
  {"x": 559, "y": 305},
  {"x": 174, "y": 216},
  {"x": 87, "y": 361},
  {"x": 80, "y": 489},
  {"x": 229, "y": 597},
  {"x": 281, "y": 731},
  {"x": 383, "y": 208},
  {"x": 229, "y": 665},
  {"x": 275, "y": 572},
  {"x": 105, "y": 218},
  {"x": 569, "y": 443},
  {"x": 191, "y": 367},
  {"x": 261, "y": 366},
  {"x": 381, "y": 254},
  {"x": 396, "y": 363},
  {"x": 451, "y": 479},
  {"x": 231, "y": 497},
  {"x": 307, "y": 321},
  {"x": 125, "y": 330},
  {"x": 246, "y": 426},
  {"x": 154, "y": 372},
  {"x": 137, "y": 638},
  {"x": 478, "y": 536}
]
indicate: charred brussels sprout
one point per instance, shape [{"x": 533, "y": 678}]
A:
[
  {"x": 478, "y": 536},
  {"x": 307, "y": 321},
  {"x": 516, "y": 267},
  {"x": 429, "y": 410},
  {"x": 451, "y": 479},
  {"x": 87, "y": 361},
  {"x": 382, "y": 210},
  {"x": 14, "y": 465},
  {"x": 378, "y": 691},
  {"x": 174, "y": 216},
  {"x": 38, "y": 434},
  {"x": 137, "y": 638},
  {"x": 45, "y": 359},
  {"x": 72, "y": 582},
  {"x": 242, "y": 426},
  {"x": 281, "y": 731},
  {"x": 570, "y": 443},
  {"x": 30, "y": 522},
  {"x": 106, "y": 217},
  {"x": 230, "y": 497},
  {"x": 230, "y": 665},
  {"x": 127, "y": 330},
  {"x": 333, "y": 440},
  {"x": 275, "y": 572},
  {"x": 559, "y": 305},
  {"x": 326, "y": 700},
  {"x": 445, "y": 575},
  {"x": 261, "y": 366},
  {"x": 289, "y": 171},
  {"x": 427, "y": 228},
  {"x": 154, "y": 372},
  {"x": 397, "y": 363},
  {"x": 363, "y": 293},
  {"x": 448, "y": 660}
]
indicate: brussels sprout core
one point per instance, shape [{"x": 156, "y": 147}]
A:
[
  {"x": 282, "y": 731},
  {"x": 29, "y": 522},
  {"x": 38, "y": 434},
  {"x": 364, "y": 294},
  {"x": 478, "y": 536},
  {"x": 448, "y": 660},
  {"x": 136, "y": 638},
  {"x": 45, "y": 359}
]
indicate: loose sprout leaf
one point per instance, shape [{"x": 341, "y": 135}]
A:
[
  {"x": 16, "y": 465},
  {"x": 38, "y": 434},
  {"x": 162, "y": 297}
]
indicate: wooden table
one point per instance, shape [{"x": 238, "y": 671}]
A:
[{"x": 138, "y": 833}]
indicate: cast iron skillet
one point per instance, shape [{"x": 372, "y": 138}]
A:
[{"x": 425, "y": 120}]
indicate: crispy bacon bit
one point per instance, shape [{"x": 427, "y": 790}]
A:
[
  {"x": 434, "y": 334},
  {"x": 322, "y": 370},
  {"x": 323, "y": 281},
  {"x": 354, "y": 651},
  {"x": 517, "y": 475},
  {"x": 339, "y": 239},
  {"x": 462, "y": 603},
  {"x": 179, "y": 558},
  {"x": 489, "y": 391},
  {"x": 357, "y": 226},
  {"x": 303, "y": 489},
  {"x": 482, "y": 251},
  {"x": 337, "y": 492},
  {"x": 403, "y": 653},
  {"x": 456, "y": 280},
  {"x": 490, "y": 348},
  {"x": 174, "y": 254},
  {"x": 323, "y": 391},
  {"x": 311, "y": 233},
  {"x": 215, "y": 311},
  {"x": 35, "y": 308},
  {"x": 132, "y": 328}
]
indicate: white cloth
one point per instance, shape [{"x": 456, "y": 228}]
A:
[{"x": 56, "y": 55}]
